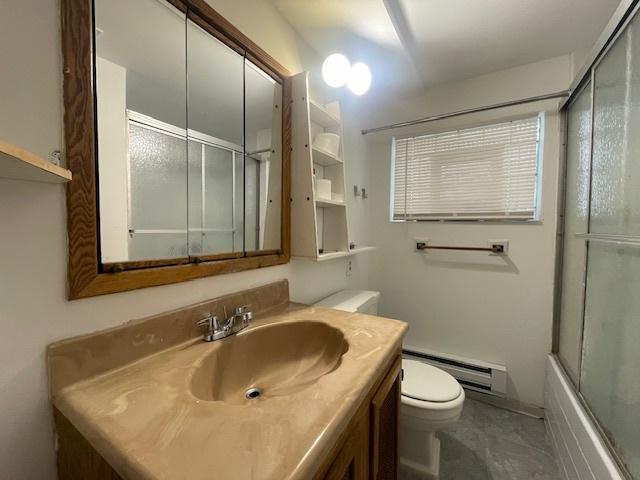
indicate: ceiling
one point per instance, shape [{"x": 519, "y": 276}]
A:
[{"x": 413, "y": 44}]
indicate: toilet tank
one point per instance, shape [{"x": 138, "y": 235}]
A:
[{"x": 362, "y": 301}]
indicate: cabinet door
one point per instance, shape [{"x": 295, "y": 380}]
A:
[
  {"x": 385, "y": 422},
  {"x": 352, "y": 463},
  {"x": 77, "y": 459}
]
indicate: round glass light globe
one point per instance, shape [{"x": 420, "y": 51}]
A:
[
  {"x": 335, "y": 70},
  {"x": 360, "y": 78}
]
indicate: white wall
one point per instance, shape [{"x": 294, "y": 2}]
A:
[
  {"x": 496, "y": 309},
  {"x": 33, "y": 308},
  {"x": 111, "y": 110}
]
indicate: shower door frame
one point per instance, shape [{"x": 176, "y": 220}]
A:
[{"x": 623, "y": 16}]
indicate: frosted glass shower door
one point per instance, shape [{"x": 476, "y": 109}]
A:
[
  {"x": 615, "y": 198},
  {"x": 610, "y": 383},
  {"x": 609, "y": 379},
  {"x": 575, "y": 221}
]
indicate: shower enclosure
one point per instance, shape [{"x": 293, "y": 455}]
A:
[{"x": 598, "y": 311}]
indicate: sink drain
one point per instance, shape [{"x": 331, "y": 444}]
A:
[{"x": 253, "y": 393}]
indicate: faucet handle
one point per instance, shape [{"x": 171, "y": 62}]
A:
[
  {"x": 242, "y": 309},
  {"x": 210, "y": 321},
  {"x": 245, "y": 314}
]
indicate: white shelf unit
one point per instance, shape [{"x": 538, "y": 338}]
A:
[
  {"x": 318, "y": 226},
  {"x": 325, "y": 116},
  {"x": 362, "y": 249},
  {"x": 326, "y": 203},
  {"x": 323, "y": 257},
  {"x": 323, "y": 158}
]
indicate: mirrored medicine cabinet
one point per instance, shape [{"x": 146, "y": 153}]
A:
[{"x": 177, "y": 132}]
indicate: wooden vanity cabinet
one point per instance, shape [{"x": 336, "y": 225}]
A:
[
  {"x": 385, "y": 425},
  {"x": 368, "y": 449},
  {"x": 352, "y": 459},
  {"x": 77, "y": 459}
]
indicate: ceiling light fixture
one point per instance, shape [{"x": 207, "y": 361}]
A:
[
  {"x": 335, "y": 70},
  {"x": 359, "y": 78}
]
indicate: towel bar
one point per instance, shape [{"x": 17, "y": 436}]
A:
[{"x": 493, "y": 248}]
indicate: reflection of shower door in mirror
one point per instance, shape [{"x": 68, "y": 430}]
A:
[
  {"x": 220, "y": 232},
  {"x": 213, "y": 199},
  {"x": 158, "y": 194},
  {"x": 215, "y": 196}
]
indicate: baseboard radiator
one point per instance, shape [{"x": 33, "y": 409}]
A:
[{"x": 472, "y": 374}]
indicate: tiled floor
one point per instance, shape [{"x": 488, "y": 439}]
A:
[{"x": 489, "y": 443}]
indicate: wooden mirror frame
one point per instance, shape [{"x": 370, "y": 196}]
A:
[{"x": 87, "y": 275}]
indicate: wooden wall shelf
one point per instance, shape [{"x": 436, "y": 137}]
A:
[{"x": 19, "y": 164}]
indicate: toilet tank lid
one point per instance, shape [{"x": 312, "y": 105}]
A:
[
  {"x": 350, "y": 300},
  {"x": 426, "y": 382}
]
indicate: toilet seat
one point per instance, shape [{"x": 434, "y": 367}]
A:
[
  {"x": 430, "y": 393},
  {"x": 427, "y": 383}
]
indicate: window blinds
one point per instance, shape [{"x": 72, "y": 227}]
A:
[{"x": 488, "y": 172}]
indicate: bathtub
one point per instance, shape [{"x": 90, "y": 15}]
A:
[{"x": 581, "y": 453}]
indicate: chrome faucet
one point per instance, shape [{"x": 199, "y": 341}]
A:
[{"x": 240, "y": 319}]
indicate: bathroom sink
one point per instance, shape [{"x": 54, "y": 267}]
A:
[{"x": 268, "y": 361}]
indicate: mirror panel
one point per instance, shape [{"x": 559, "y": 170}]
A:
[
  {"x": 263, "y": 160},
  {"x": 216, "y": 137},
  {"x": 215, "y": 79},
  {"x": 141, "y": 118}
]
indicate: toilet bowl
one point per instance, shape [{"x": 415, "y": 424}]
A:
[{"x": 431, "y": 401}]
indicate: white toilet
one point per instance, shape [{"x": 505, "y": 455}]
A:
[{"x": 431, "y": 398}]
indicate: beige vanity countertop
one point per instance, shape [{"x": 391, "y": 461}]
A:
[{"x": 144, "y": 420}]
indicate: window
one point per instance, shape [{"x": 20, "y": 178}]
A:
[{"x": 483, "y": 173}]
